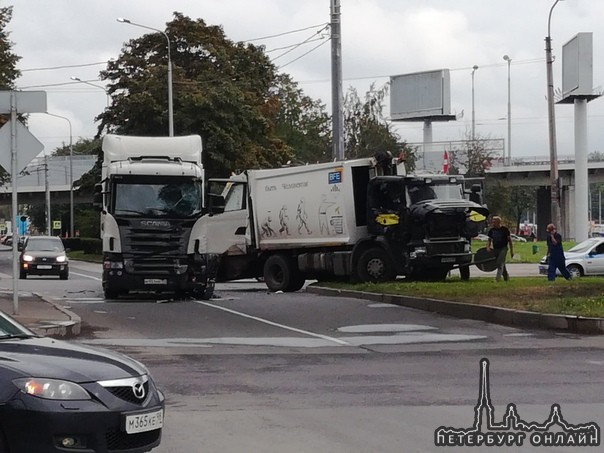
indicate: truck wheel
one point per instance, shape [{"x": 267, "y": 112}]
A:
[
  {"x": 464, "y": 272},
  {"x": 374, "y": 265},
  {"x": 297, "y": 281},
  {"x": 110, "y": 293},
  {"x": 279, "y": 273}
]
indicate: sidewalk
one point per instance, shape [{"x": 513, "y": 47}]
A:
[{"x": 42, "y": 316}]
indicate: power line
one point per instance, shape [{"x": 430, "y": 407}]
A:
[
  {"x": 299, "y": 44},
  {"x": 286, "y": 33},
  {"x": 51, "y": 68},
  {"x": 304, "y": 54},
  {"x": 292, "y": 45}
]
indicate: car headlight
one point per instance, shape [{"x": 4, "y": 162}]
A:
[
  {"x": 61, "y": 258},
  {"x": 28, "y": 258},
  {"x": 52, "y": 389}
]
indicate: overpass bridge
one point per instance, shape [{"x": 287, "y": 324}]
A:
[
  {"x": 536, "y": 172},
  {"x": 31, "y": 185}
]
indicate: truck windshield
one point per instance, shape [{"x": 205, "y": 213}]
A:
[
  {"x": 167, "y": 199},
  {"x": 434, "y": 191}
]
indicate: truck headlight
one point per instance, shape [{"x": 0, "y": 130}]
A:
[
  {"x": 420, "y": 250},
  {"x": 113, "y": 265}
]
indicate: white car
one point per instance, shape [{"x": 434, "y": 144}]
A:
[{"x": 585, "y": 258}]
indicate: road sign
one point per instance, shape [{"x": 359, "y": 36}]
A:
[
  {"x": 25, "y": 101},
  {"x": 28, "y": 146},
  {"x": 56, "y": 224}
]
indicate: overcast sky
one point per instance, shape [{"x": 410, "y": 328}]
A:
[{"x": 58, "y": 39}]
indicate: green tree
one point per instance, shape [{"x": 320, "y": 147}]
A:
[
  {"x": 301, "y": 122},
  {"x": 222, "y": 91}
]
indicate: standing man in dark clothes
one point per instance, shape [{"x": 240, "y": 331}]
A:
[
  {"x": 555, "y": 253},
  {"x": 499, "y": 240}
]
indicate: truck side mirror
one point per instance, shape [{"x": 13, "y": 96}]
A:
[
  {"x": 216, "y": 204},
  {"x": 97, "y": 198}
]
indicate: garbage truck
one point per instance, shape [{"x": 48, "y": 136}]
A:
[
  {"x": 151, "y": 200},
  {"x": 362, "y": 219}
]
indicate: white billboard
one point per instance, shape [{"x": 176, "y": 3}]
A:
[
  {"x": 577, "y": 66},
  {"x": 420, "y": 95}
]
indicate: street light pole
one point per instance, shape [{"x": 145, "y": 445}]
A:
[
  {"x": 509, "y": 60},
  {"x": 71, "y": 226},
  {"x": 473, "y": 114},
  {"x": 77, "y": 79},
  {"x": 170, "y": 100},
  {"x": 553, "y": 153}
]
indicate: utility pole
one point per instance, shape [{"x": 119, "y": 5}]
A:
[
  {"x": 336, "y": 81},
  {"x": 47, "y": 192}
]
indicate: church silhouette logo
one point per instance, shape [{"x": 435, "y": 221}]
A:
[{"x": 512, "y": 430}]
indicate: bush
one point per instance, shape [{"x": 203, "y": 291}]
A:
[
  {"x": 72, "y": 243},
  {"x": 91, "y": 246}
]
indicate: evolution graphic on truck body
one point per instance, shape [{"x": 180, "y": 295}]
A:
[
  {"x": 151, "y": 198},
  {"x": 362, "y": 219}
]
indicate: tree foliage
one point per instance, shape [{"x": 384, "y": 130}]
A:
[
  {"x": 223, "y": 91},
  {"x": 301, "y": 122},
  {"x": 473, "y": 158}
]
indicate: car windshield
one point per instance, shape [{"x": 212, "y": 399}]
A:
[
  {"x": 44, "y": 245},
  {"x": 11, "y": 329},
  {"x": 584, "y": 246}
]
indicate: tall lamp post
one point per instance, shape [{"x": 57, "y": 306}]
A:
[
  {"x": 473, "y": 114},
  {"x": 71, "y": 229},
  {"x": 170, "y": 108},
  {"x": 77, "y": 79},
  {"x": 553, "y": 153},
  {"x": 509, "y": 60}
]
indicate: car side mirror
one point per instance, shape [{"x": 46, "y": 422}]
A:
[{"x": 20, "y": 246}]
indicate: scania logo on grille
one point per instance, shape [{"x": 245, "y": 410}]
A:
[
  {"x": 139, "y": 390},
  {"x": 155, "y": 223}
]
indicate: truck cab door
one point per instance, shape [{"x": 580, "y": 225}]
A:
[{"x": 227, "y": 224}]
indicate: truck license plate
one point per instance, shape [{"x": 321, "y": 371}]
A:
[
  {"x": 141, "y": 423},
  {"x": 156, "y": 281},
  {"x": 448, "y": 260}
]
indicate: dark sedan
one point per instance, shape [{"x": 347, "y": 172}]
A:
[
  {"x": 43, "y": 255},
  {"x": 57, "y": 396}
]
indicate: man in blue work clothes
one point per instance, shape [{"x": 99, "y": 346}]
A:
[
  {"x": 555, "y": 253},
  {"x": 499, "y": 240}
]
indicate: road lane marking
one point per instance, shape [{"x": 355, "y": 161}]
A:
[
  {"x": 399, "y": 328},
  {"x": 87, "y": 276},
  {"x": 271, "y": 323}
]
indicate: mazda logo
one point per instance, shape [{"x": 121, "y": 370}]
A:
[{"x": 139, "y": 390}]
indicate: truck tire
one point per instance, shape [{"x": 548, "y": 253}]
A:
[
  {"x": 297, "y": 281},
  {"x": 110, "y": 293},
  {"x": 374, "y": 265},
  {"x": 464, "y": 273},
  {"x": 280, "y": 274}
]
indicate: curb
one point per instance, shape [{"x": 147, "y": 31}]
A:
[
  {"x": 495, "y": 315},
  {"x": 53, "y": 328}
]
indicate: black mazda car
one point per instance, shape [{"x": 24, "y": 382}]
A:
[{"x": 57, "y": 396}]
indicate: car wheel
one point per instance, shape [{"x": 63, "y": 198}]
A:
[
  {"x": 3, "y": 445},
  {"x": 110, "y": 293},
  {"x": 64, "y": 275},
  {"x": 575, "y": 271},
  {"x": 22, "y": 275}
]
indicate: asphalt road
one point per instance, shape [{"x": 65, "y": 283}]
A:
[{"x": 252, "y": 371}]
